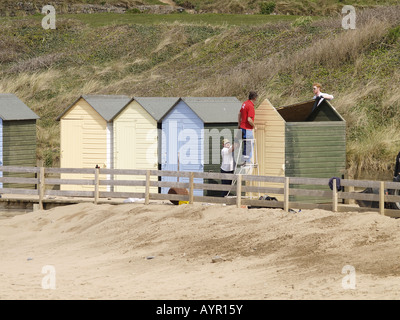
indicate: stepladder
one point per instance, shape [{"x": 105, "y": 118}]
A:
[{"x": 245, "y": 160}]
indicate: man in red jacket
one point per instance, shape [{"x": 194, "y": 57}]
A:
[{"x": 246, "y": 124}]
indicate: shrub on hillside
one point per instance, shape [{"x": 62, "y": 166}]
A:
[{"x": 267, "y": 7}]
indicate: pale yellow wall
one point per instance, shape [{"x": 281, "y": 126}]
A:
[
  {"x": 135, "y": 144},
  {"x": 270, "y": 139},
  {"x": 92, "y": 139}
]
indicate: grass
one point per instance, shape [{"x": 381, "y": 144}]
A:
[
  {"x": 106, "y": 19},
  {"x": 213, "y": 55}
]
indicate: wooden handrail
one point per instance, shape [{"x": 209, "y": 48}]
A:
[{"x": 98, "y": 178}]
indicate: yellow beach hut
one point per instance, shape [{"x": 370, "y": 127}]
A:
[
  {"x": 87, "y": 135},
  {"x": 137, "y": 137}
]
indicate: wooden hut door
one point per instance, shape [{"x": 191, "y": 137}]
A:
[
  {"x": 71, "y": 149},
  {"x": 125, "y": 151}
]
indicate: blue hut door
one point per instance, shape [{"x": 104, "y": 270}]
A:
[{"x": 182, "y": 133}]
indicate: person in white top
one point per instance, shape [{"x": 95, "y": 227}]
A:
[
  {"x": 227, "y": 164},
  {"x": 319, "y": 96}
]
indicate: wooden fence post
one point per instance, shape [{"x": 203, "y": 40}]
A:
[
  {"x": 334, "y": 196},
  {"x": 96, "y": 185},
  {"x": 191, "y": 186},
  {"x": 382, "y": 198},
  {"x": 239, "y": 191},
  {"x": 286, "y": 195},
  {"x": 147, "y": 191},
  {"x": 41, "y": 187}
]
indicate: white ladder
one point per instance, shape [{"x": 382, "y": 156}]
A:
[{"x": 242, "y": 167}]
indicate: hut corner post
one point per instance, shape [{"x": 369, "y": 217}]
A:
[
  {"x": 96, "y": 185},
  {"x": 41, "y": 187},
  {"x": 334, "y": 196},
  {"x": 191, "y": 187},
  {"x": 239, "y": 191},
  {"x": 286, "y": 195},
  {"x": 147, "y": 190},
  {"x": 382, "y": 198}
]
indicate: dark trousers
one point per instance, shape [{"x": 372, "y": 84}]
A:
[{"x": 225, "y": 193}]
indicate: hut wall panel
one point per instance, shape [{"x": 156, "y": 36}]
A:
[
  {"x": 191, "y": 147},
  {"x": 135, "y": 144},
  {"x": 214, "y": 134},
  {"x": 19, "y": 148},
  {"x": 315, "y": 150},
  {"x": 270, "y": 139},
  {"x": 92, "y": 138}
]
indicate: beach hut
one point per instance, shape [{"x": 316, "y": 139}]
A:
[
  {"x": 294, "y": 141},
  {"x": 87, "y": 134},
  {"x": 17, "y": 136},
  {"x": 136, "y": 136},
  {"x": 194, "y": 129}
]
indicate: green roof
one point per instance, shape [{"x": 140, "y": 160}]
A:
[
  {"x": 12, "y": 108},
  {"x": 215, "y": 109}
]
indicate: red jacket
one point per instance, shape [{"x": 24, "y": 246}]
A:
[{"x": 247, "y": 110}]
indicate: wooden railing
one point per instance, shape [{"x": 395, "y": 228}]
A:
[{"x": 99, "y": 184}]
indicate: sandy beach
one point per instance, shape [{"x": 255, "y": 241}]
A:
[{"x": 197, "y": 252}]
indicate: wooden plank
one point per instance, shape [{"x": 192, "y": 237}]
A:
[
  {"x": 96, "y": 186},
  {"x": 191, "y": 187},
  {"x": 161, "y": 173},
  {"x": 42, "y": 187},
  {"x": 286, "y": 195},
  {"x": 382, "y": 198},
  {"x": 133, "y": 172},
  {"x": 360, "y": 183},
  {"x": 80, "y": 182},
  {"x": 392, "y": 185},
  {"x": 164, "y": 196},
  {"x": 310, "y": 181},
  {"x": 18, "y": 180},
  {"x": 264, "y": 179},
  {"x": 169, "y": 184},
  {"x": 19, "y": 169},
  {"x": 19, "y": 191},
  {"x": 214, "y": 175},
  {"x": 68, "y": 193},
  {"x": 71, "y": 170},
  {"x": 147, "y": 189},
  {"x": 122, "y": 183},
  {"x": 239, "y": 191},
  {"x": 263, "y": 203},
  {"x": 229, "y": 201},
  {"x": 307, "y": 192},
  {"x": 358, "y": 196},
  {"x": 121, "y": 194},
  {"x": 212, "y": 187},
  {"x": 334, "y": 196},
  {"x": 262, "y": 189}
]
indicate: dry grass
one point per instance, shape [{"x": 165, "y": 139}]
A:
[{"x": 279, "y": 61}]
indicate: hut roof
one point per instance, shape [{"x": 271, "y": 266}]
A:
[
  {"x": 157, "y": 107},
  {"x": 302, "y": 111},
  {"x": 107, "y": 106},
  {"x": 12, "y": 108},
  {"x": 215, "y": 109}
]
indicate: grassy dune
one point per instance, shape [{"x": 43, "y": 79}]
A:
[{"x": 214, "y": 55}]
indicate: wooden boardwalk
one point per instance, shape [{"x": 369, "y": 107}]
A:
[{"x": 42, "y": 188}]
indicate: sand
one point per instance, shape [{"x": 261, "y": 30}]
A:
[{"x": 198, "y": 252}]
